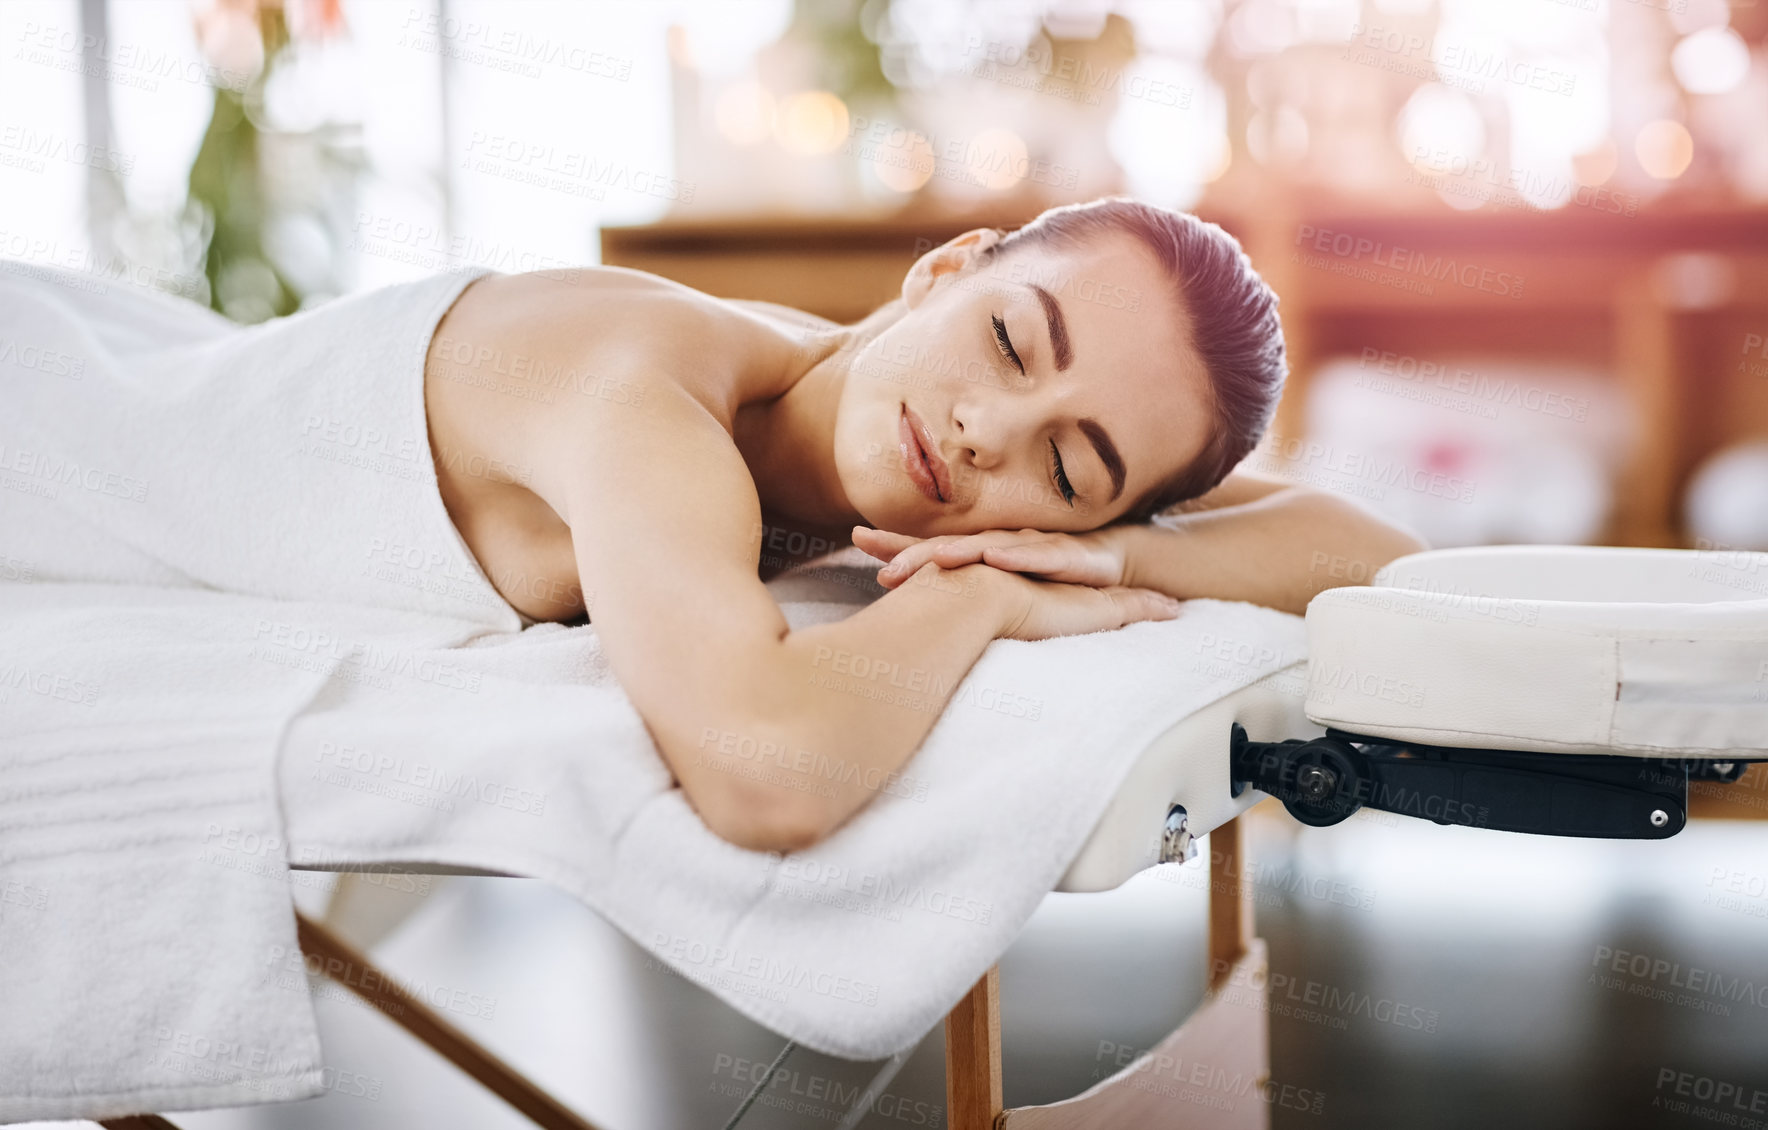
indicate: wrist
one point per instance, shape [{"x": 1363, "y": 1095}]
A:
[
  {"x": 1001, "y": 591},
  {"x": 1124, "y": 543}
]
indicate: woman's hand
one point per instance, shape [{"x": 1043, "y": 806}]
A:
[
  {"x": 1030, "y": 609},
  {"x": 1095, "y": 558},
  {"x": 1042, "y": 609}
]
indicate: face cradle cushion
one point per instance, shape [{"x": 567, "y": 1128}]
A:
[{"x": 1555, "y": 649}]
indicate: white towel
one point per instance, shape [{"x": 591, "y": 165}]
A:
[
  {"x": 172, "y": 489},
  {"x": 145, "y": 927},
  {"x": 855, "y": 947}
]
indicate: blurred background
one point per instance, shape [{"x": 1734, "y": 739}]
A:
[
  {"x": 1520, "y": 243},
  {"x": 1522, "y": 251}
]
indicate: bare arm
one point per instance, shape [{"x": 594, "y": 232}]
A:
[
  {"x": 1261, "y": 540},
  {"x": 776, "y": 736}
]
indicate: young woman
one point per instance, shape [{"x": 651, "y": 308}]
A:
[
  {"x": 499, "y": 448},
  {"x": 1000, "y": 435}
]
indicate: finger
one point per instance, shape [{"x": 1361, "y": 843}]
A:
[
  {"x": 968, "y": 549},
  {"x": 1143, "y": 604},
  {"x": 908, "y": 561},
  {"x": 963, "y": 550},
  {"x": 1050, "y": 559},
  {"x": 950, "y": 551},
  {"x": 1057, "y": 559},
  {"x": 882, "y": 544}
]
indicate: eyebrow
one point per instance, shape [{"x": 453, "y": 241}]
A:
[
  {"x": 1089, "y": 427},
  {"x": 1064, "y": 353},
  {"x": 1101, "y": 441}
]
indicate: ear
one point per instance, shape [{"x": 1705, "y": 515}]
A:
[{"x": 954, "y": 256}]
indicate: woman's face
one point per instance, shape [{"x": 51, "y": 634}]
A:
[{"x": 1044, "y": 389}]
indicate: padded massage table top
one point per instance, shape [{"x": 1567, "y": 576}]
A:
[
  {"x": 1576, "y": 650},
  {"x": 1555, "y": 649},
  {"x": 1653, "y": 653}
]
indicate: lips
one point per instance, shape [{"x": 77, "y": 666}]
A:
[{"x": 920, "y": 457}]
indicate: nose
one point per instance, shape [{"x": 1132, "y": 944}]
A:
[
  {"x": 975, "y": 436},
  {"x": 991, "y": 427}
]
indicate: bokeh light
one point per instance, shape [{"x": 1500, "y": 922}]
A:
[
  {"x": 811, "y": 121},
  {"x": 1664, "y": 149},
  {"x": 1711, "y": 61},
  {"x": 745, "y": 112},
  {"x": 1438, "y": 119}
]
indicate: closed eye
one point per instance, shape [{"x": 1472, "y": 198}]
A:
[
  {"x": 1005, "y": 343},
  {"x": 1060, "y": 475}
]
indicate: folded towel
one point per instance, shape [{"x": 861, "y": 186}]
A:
[
  {"x": 170, "y": 679},
  {"x": 529, "y": 760},
  {"x": 173, "y": 486}
]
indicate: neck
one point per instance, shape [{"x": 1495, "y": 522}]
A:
[{"x": 788, "y": 439}]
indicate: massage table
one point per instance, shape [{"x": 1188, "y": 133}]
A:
[{"x": 1570, "y": 691}]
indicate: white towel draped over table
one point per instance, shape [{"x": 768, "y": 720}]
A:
[{"x": 239, "y": 629}]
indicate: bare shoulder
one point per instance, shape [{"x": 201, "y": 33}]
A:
[{"x": 1238, "y": 489}]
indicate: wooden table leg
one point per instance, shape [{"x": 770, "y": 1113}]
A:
[
  {"x": 1230, "y": 900},
  {"x": 1213, "y": 1070},
  {"x": 973, "y": 1056}
]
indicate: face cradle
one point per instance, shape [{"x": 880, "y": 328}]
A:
[{"x": 1108, "y": 378}]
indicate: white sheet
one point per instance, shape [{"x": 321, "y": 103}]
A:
[
  {"x": 855, "y": 947},
  {"x": 359, "y": 664},
  {"x": 514, "y": 753}
]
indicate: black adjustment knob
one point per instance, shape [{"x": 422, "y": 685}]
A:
[{"x": 1325, "y": 783}]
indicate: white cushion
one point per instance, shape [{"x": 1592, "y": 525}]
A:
[{"x": 1573, "y": 649}]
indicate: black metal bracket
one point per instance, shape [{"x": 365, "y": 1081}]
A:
[{"x": 1324, "y": 780}]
